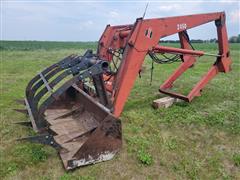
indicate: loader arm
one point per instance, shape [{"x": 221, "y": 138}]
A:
[{"x": 145, "y": 36}]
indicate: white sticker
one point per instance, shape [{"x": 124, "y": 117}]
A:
[{"x": 182, "y": 26}]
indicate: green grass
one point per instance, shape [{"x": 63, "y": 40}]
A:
[
  {"x": 44, "y": 45},
  {"x": 200, "y": 140}
]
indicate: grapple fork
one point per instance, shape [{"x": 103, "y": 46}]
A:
[{"x": 67, "y": 118}]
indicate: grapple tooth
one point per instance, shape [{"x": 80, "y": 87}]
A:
[
  {"x": 20, "y": 101},
  {"x": 46, "y": 139},
  {"x": 24, "y": 123},
  {"x": 24, "y": 111}
]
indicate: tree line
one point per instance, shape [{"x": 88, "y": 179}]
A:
[{"x": 232, "y": 39}]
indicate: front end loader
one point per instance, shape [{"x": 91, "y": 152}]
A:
[{"x": 75, "y": 104}]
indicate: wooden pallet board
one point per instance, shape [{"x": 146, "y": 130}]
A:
[{"x": 165, "y": 102}]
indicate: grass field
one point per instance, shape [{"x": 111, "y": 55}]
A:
[{"x": 200, "y": 140}]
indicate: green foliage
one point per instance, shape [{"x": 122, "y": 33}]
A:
[
  {"x": 33, "y": 153},
  {"x": 172, "y": 144},
  {"x": 70, "y": 176},
  {"x": 236, "y": 159},
  {"x": 144, "y": 157},
  {"x": 44, "y": 45}
]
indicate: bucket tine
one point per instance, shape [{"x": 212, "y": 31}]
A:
[
  {"x": 95, "y": 69},
  {"x": 46, "y": 72},
  {"x": 43, "y": 77},
  {"x": 50, "y": 71},
  {"x": 24, "y": 123},
  {"x": 39, "y": 80},
  {"x": 46, "y": 139}
]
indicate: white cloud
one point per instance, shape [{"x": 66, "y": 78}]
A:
[
  {"x": 228, "y": 1},
  {"x": 53, "y": 20},
  {"x": 235, "y": 16},
  {"x": 165, "y": 9},
  {"x": 114, "y": 14},
  {"x": 86, "y": 25},
  {"x": 170, "y": 7}
]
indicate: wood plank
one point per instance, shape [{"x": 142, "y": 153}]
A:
[{"x": 165, "y": 102}]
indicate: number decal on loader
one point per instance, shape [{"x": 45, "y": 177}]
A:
[{"x": 181, "y": 26}]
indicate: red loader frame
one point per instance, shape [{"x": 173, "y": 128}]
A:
[{"x": 138, "y": 39}]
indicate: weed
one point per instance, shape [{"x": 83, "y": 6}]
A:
[
  {"x": 69, "y": 176},
  {"x": 145, "y": 158},
  {"x": 172, "y": 144},
  {"x": 236, "y": 159},
  {"x": 34, "y": 153}
]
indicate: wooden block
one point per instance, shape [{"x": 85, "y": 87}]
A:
[{"x": 164, "y": 102}]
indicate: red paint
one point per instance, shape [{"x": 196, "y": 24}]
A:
[{"x": 143, "y": 36}]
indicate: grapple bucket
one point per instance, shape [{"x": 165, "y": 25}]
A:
[{"x": 68, "y": 118}]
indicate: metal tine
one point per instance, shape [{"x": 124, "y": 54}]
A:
[
  {"x": 94, "y": 70},
  {"x": 58, "y": 92},
  {"x": 71, "y": 63},
  {"x": 46, "y": 83},
  {"x": 52, "y": 73},
  {"x": 31, "y": 92},
  {"x": 45, "y": 71},
  {"x": 40, "y": 83},
  {"x": 61, "y": 66},
  {"x": 24, "y": 123},
  {"x": 33, "y": 103},
  {"x": 53, "y": 83},
  {"x": 24, "y": 111},
  {"x": 46, "y": 139},
  {"x": 32, "y": 116},
  {"x": 47, "y": 77},
  {"x": 36, "y": 78}
]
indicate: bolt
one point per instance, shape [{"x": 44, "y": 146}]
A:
[
  {"x": 52, "y": 142},
  {"x": 46, "y": 137}
]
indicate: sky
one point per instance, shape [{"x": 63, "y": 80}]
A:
[{"x": 85, "y": 21}]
